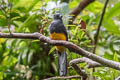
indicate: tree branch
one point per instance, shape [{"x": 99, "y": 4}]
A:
[
  {"x": 78, "y": 9},
  {"x": 90, "y": 63},
  {"x": 20, "y": 35},
  {"x": 63, "y": 77},
  {"x": 118, "y": 78},
  {"x": 80, "y": 71},
  {"x": 72, "y": 47}
]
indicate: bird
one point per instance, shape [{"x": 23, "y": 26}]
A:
[{"x": 58, "y": 32}]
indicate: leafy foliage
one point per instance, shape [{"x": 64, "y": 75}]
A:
[{"x": 24, "y": 59}]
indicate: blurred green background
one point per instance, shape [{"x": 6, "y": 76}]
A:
[{"x": 31, "y": 59}]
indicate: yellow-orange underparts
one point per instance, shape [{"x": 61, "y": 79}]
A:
[{"x": 58, "y": 36}]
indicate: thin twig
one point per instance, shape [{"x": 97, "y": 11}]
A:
[
  {"x": 99, "y": 25},
  {"x": 98, "y": 29}
]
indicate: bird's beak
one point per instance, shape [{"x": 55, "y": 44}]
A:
[{"x": 61, "y": 16}]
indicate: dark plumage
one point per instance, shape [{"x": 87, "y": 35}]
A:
[
  {"x": 58, "y": 32},
  {"x": 57, "y": 25}
]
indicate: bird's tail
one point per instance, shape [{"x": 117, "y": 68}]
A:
[{"x": 62, "y": 63}]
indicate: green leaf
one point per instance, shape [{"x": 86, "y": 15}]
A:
[
  {"x": 24, "y": 56},
  {"x": 115, "y": 57},
  {"x": 30, "y": 55},
  {"x": 73, "y": 4},
  {"x": 29, "y": 23},
  {"x": 108, "y": 56},
  {"x": 24, "y": 4},
  {"x": 113, "y": 11},
  {"x": 109, "y": 23},
  {"x": 51, "y": 50},
  {"x": 15, "y": 18},
  {"x": 95, "y": 7},
  {"x": 3, "y": 21},
  {"x": 35, "y": 40},
  {"x": 111, "y": 26},
  {"x": 32, "y": 5},
  {"x": 1, "y": 75},
  {"x": 80, "y": 34}
]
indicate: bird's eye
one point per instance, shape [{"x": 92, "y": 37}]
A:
[{"x": 57, "y": 16}]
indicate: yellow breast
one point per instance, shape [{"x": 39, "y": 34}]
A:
[{"x": 58, "y": 36}]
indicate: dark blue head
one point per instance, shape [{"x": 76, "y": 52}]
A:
[{"x": 57, "y": 16}]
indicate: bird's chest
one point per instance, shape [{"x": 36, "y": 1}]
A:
[{"x": 57, "y": 36}]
